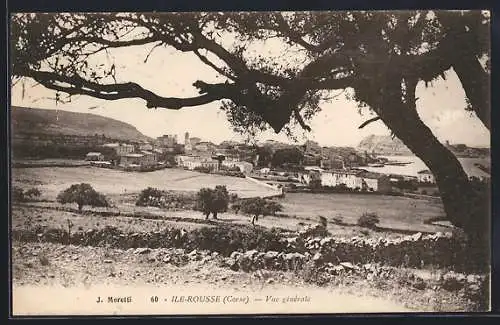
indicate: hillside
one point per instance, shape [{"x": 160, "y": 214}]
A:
[
  {"x": 46, "y": 121},
  {"x": 380, "y": 144}
]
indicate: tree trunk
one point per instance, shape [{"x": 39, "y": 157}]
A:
[
  {"x": 476, "y": 83},
  {"x": 214, "y": 215},
  {"x": 206, "y": 215},
  {"x": 80, "y": 206},
  {"x": 463, "y": 206}
]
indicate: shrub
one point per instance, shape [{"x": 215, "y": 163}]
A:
[
  {"x": 17, "y": 194},
  {"x": 272, "y": 207},
  {"x": 368, "y": 220},
  {"x": 212, "y": 200},
  {"x": 315, "y": 184},
  {"x": 147, "y": 195},
  {"x": 32, "y": 193},
  {"x": 82, "y": 194}
]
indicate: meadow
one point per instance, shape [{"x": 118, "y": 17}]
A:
[
  {"x": 112, "y": 182},
  {"x": 398, "y": 213}
]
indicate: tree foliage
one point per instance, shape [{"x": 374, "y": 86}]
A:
[
  {"x": 212, "y": 201},
  {"x": 286, "y": 156},
  {"x": 259, "y": 207},
  {"x": 82, "y": 194}
]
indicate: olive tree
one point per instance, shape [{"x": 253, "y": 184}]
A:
[
  {"x": 380, "y": 57},
  {"x": 82, "y": 194}
]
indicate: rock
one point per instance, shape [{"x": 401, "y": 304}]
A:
[
  {"x": 74, "y": 258},
  {"x": 317, "y": 257},
  {"x": 50, "y": 275},
  {"x": 270, "y": 280},
  {"x": 215, "y": 254},
  {"x": 235, "y": 255},
  {"x": 251, "y": 253},
  {"x": 349, "y": 265},
  {"x": 142, "y": 250},
  {"x": 270, "y": 255},
  {"x": 108, "y": 261},
  {"x": 193, "y": 252},
  {"x": 152, "y": 259},
  {"x": 325, "y": 241},
  {"x": 167, "y": 259},
  {"x": 416, "y": 237}
]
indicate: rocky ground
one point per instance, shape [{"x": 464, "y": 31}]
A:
[{"x": 42, "y": 266}]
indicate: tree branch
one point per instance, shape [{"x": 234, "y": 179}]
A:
[
  {"x": 79, "y": 86},
  {"x": 365, "y": 123}
]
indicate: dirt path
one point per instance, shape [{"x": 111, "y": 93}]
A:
[{"x": 75, "y": 276}]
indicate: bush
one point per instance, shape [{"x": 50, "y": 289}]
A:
[
  {"x": 315, "y": 184},
  {"x": 212, "y": 200},
  {"x": 148, "y": 195},
  {"x": 164, "y": 199},
  {"x": 368, "y": 220},
  {"x": 82, "y": 194},
  {"x": 19, "y": 195}
]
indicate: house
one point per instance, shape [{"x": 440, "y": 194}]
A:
[
  {"x": 202, "y": 146},
  {"x": 210, "y": 164},
  {"x": 425, "y": 176},
  {"x": 94, "y": 156},
  {"x": 337, "y": 177},
  {"x": 194, "y": 141},
  {"x": 243, "y": 166},
  {"x": 121, "y": 148},
  {"x": 145, "y": 146},
  {"x": 374, "y": 182},
  {"x": 143, "y": 159},
  {"x": 168, "y": 141},
  {"x": 264, "y": 170}
]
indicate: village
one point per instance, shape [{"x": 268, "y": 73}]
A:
[{"x": 323, "y": 174}]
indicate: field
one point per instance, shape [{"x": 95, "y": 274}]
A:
[
  {"x": 400, "y": 213},
  {"x": 394, "y": 211},
  {"x": 52, "y": 180}
]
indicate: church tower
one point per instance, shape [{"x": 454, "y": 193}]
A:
[{"x": 187, "y": 143}]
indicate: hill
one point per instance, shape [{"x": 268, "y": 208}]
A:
[
  {"x": 46, "y": 121},
  {"x": 385, "y": 145}
]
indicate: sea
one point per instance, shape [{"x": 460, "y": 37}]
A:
[{"x": 415, "y": 165}]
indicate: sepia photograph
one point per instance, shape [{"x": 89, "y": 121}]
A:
[{"x": 231, "y": 163}]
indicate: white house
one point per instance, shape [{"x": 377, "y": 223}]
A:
[
  {"x": 120, "y": 148},
  {"x": 374, "y": 182},
  {"x": 94, "y": 156},
  {"x": 243, "y": 166},
  {"x": 337, "y": 177},
  {"x": 145, "y": 146},
  {"x": 425, "y": 176}
]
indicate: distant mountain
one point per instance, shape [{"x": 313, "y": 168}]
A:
[
  {"x": 46, "y": 121},
  {"x": 385, "y": 145}
]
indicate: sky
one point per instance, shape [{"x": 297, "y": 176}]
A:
[{"x": 169, "y": 73}]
